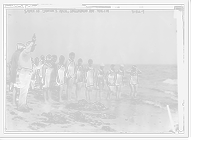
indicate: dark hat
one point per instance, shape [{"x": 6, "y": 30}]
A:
[
  {"x": 28, "y": 43},
  {"x": 20, "y": 45},
  {"x": 112, "y": 66}
]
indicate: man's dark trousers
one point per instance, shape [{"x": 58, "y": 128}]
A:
[{"x": 25, "y": 78}]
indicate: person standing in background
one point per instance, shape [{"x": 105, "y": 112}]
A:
[
  {"x": 24, "y": 73},
  {"x": 40, "y": 66},
  {"x": 111, "y": 81},
  {"x": 34, "y": 74},
  {"x": 119, "y": 80},
  {"x": 79, "y": 78},
  {"x": 47, "y": 70},
  {"x": 60, "y": 78},
  {"x": 70, "y": 74},
  {"x": 100, "y": 81},
  {"x": 53, "y": 74},
  {"x": 14, "y": 76},
  {"x": 90, "y": 79},
  {"x": 134, "y": 73}
]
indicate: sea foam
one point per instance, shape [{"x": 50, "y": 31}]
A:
[{"x": 170, "y": 81}]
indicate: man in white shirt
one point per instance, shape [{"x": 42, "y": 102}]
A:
[
  {"x": 13, "y": 70},
  {"x": 25, "y": 66}
]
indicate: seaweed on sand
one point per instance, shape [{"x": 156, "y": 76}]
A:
[
  {"x": 84, "y": 105},
  {"x": 106, "y": 116},
  {"x": 79, "y": 116}
]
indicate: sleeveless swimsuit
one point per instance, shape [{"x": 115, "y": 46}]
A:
[
  {"x": 47, "y": 76},
  {"x": 89, "y": 77},
  {"x": 53, "y": 73},
  {"x": 111, "y": 77},
  {"x": 61, "y": 76},
  {"x": 79, "y": 77},
  {"x": 100, "y": 80},
  {"x": 119, "y": 80},
  {"x": 71, "y": 68},
  {"x": 134, "y": 75}
]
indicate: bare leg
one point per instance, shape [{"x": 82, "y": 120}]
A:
[
  {"x": 69, "y": 89},
  {"x": 99, "y": 95},
  {"x": 49, "y": 94},
  {"x": 60, "y": 93},
  {"x": 132, "y": 91},
  {"x": 87, "y": 95},
  {"x": 120, "y": 87},
  {"x": 78, "y": 91},
  {"x": 96, "y": 95},
  {"x": 14, "y": 95},
  {"x": 135, "y": 90},
  {"x": 117, "y": 92},
  {"x": 45, "y": 95},
  {"x": 108, "y": 95}
]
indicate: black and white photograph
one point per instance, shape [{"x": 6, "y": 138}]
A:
[{"x": 96, "y": 69}]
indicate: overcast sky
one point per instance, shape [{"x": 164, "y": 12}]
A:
[{"x": 115, "y": 37}]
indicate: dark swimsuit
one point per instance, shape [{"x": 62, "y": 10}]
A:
[
  {"x": 100, "y": 80},
  {"x": 111, "y": 77},
  {"x": 119, "y": 80},
  {"x": 89, "y": 77},
  {"x": 79, "y": 77},
  {"x": 134, "y": 75},
  {"x": 71, "y": 68},
  {"x": 47, "y": 76},
  {"x": 61, "y": 76}
]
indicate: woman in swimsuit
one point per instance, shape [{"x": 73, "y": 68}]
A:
[
  {"x": 47, "y": 69},
  {"x": 79, "y": 78},
  {"x": 119, "y": 81},
  {"x": 110, "y": 81},
  {"x": 70, "y": 74},
  {"x": 60, "y": 78},
  {"x": 134, "y": 81},
  {"x": 89, "y": 79},
  {"x": 100, "y": 81}
]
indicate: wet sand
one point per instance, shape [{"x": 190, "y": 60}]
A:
[{"x": 123, "y": 116}]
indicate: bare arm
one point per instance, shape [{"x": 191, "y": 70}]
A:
[
  {"x": 43, "y": 75},
  {"x": 128, "y": 71},
  {"x": 66, "y": 65},
  {"x": 85, "y": 74},
  {"x": 27, "y": 50},
  {"x": 75, "y": 71},
  {"x": 57, "y": 68},
  {"x": 96, "y": 76},
  {"x": 139, "y": 72}
]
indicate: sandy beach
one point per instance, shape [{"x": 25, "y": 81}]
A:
[{"x": 123, "y": 116}]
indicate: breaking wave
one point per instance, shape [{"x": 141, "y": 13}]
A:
[{"x": 170, "y": 81}]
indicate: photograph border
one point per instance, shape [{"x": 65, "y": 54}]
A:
[{"x": 89, "y": 6}]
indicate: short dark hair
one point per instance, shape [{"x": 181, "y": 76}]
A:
[
  {"x": 80, "y": 60},
  {"x": 90, "y": 61},
  {"x": 54, "y": 56},
  {"x": 36, "y": 59},
  {"x": 72, "y": 54},
  {"x": 112, "y": 65},
  {"x": 48, "y": 57},
  {"x": 62, "y": 57}
]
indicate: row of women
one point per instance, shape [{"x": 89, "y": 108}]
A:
[{"x": 70, "y": 73}]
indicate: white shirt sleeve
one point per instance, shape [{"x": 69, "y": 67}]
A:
[{"x": 27, "y": 50}]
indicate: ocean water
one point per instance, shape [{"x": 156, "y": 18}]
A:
[{"x": 157, "y": 85}]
